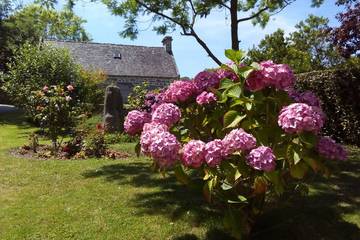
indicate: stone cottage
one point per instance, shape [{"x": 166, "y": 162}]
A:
[{"x": 127, "y": 65}]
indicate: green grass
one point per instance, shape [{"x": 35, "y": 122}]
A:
[{"x": 123, "y": 199}]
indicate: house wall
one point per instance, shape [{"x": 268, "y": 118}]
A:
[{"x": 126, "y": 83}]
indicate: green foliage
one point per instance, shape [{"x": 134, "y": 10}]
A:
[
  {"x": 35, "y": 23},
  {"x": 339, "y": 93},
  {"x": 34, "y": 67},
  {"x": 136, "y": 98},
  {"x": 306, "y": 49}
]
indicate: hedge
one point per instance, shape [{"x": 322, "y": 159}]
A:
[{"x": 339, "y": 91}]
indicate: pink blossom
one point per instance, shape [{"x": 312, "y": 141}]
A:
[
  {"x": 307, "y": 97},
  {"x": 300, "y": 117},
  {"x": 180, "y": 91},
  {"x": 164, "y": 149},
  {"x": 68, "y": 98},
  {"x": 279, "y": 76},
  {"x": 214, "y": 152},
  {"x": 328, "y": 148},
  {"x": 193, "y": 154},
  {"x": 45, "y": 88},
  {"x": 166, "y": 113},
  {"x": 204, "y": 80},
  {"x": 150, "y": 130},
  {"x": 238, "y": 140},
  {"x": 135, "y": 121},
  {"x": 261, "y": 158},
  {"x": 70, "y": 87},
  {"x": 205, "y": 98}
]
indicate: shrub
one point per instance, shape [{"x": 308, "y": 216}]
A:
[
  {"x": 57, "y": 110},
  {"x": 34, "y": 67},
  {"x": 338, "y": 91},
  {"x": 249, "y": 141},
  {"x": 136, "y": 98}
]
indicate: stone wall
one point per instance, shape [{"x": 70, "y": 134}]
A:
[{"x": 126, "y": 84}]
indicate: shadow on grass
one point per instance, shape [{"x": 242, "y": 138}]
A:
[
  {"x": 318, "y": 216},
  {"x": 14, "y": 118},
  {"x": 167, "y": 197}
]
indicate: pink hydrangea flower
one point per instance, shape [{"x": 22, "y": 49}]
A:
[
  {"x": 279, "y": 76},
  {"x": 135, "y": 121},
  {"x": 150, "y": 130},
  {"x": 214, "y": 152},
  {"x": 193, "y": 154},
  {"x": 205, "y": 98},
  {"x": 180, "y": 91},
  {"x": 166, "y": 113},
  {"x": 328, "y": 148},
  {"x": 261, "y": 158},
  {"x": 205, "y": 80},
  {"x": 164, "y": 149},
  {"x": 300, "y": 117},
  {"x": 238, "y": 140},
  {"x": 255, "y": 81},
  {"x": 70, "y": 87},
  {"x": 307, "y": 97}
]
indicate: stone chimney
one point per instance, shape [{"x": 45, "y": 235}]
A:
[{"x": 167, "y": 43}]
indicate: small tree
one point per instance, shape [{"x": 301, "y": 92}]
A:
[{"x": 56, "y": 111}]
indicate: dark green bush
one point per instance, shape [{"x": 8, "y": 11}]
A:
[{"x": 339, "y": 91}]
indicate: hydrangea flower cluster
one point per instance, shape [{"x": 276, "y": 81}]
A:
[
  {"x": 193, "y": 154},
  {"x": 214, "y": 152},
  {"x": 150, "y": 130},
  {"x": 262, "y": 158},
  {"x": 328, "y": 148},
  {"x": 166, "y": 113},
  {"x": 238, "y": 140},
  {"x": 279, "y": 76},
  {"x": 179, "y": 91},
  {"x": 164, "y": 148},
  {"x": 300, "y": 117},
  {"x": 205, "y": 80},
  {"x": 205, "y": 98},
  {"x": 307, "y": 97},
  {"x": 135, "y": 121}
]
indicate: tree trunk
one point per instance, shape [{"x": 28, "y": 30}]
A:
[{"x": 234, "y": 25}]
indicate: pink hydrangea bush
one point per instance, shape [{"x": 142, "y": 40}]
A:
[{"x": 242, "y": 129}]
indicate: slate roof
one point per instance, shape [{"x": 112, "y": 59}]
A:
[{"x": 139, "y": 61}]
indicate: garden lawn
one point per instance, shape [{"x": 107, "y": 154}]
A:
[{"x": 123, "y": 199}]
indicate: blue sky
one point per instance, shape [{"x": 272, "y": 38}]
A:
[{"x": 215, "y": 30}]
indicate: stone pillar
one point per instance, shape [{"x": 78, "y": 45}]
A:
[{"x": 113, "y": 109}]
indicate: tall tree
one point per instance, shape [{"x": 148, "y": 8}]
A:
[
  {"x": 34, "y": 23},
  {"x": 306, "y": 49},
  {"x": 169, "y": 15}
]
